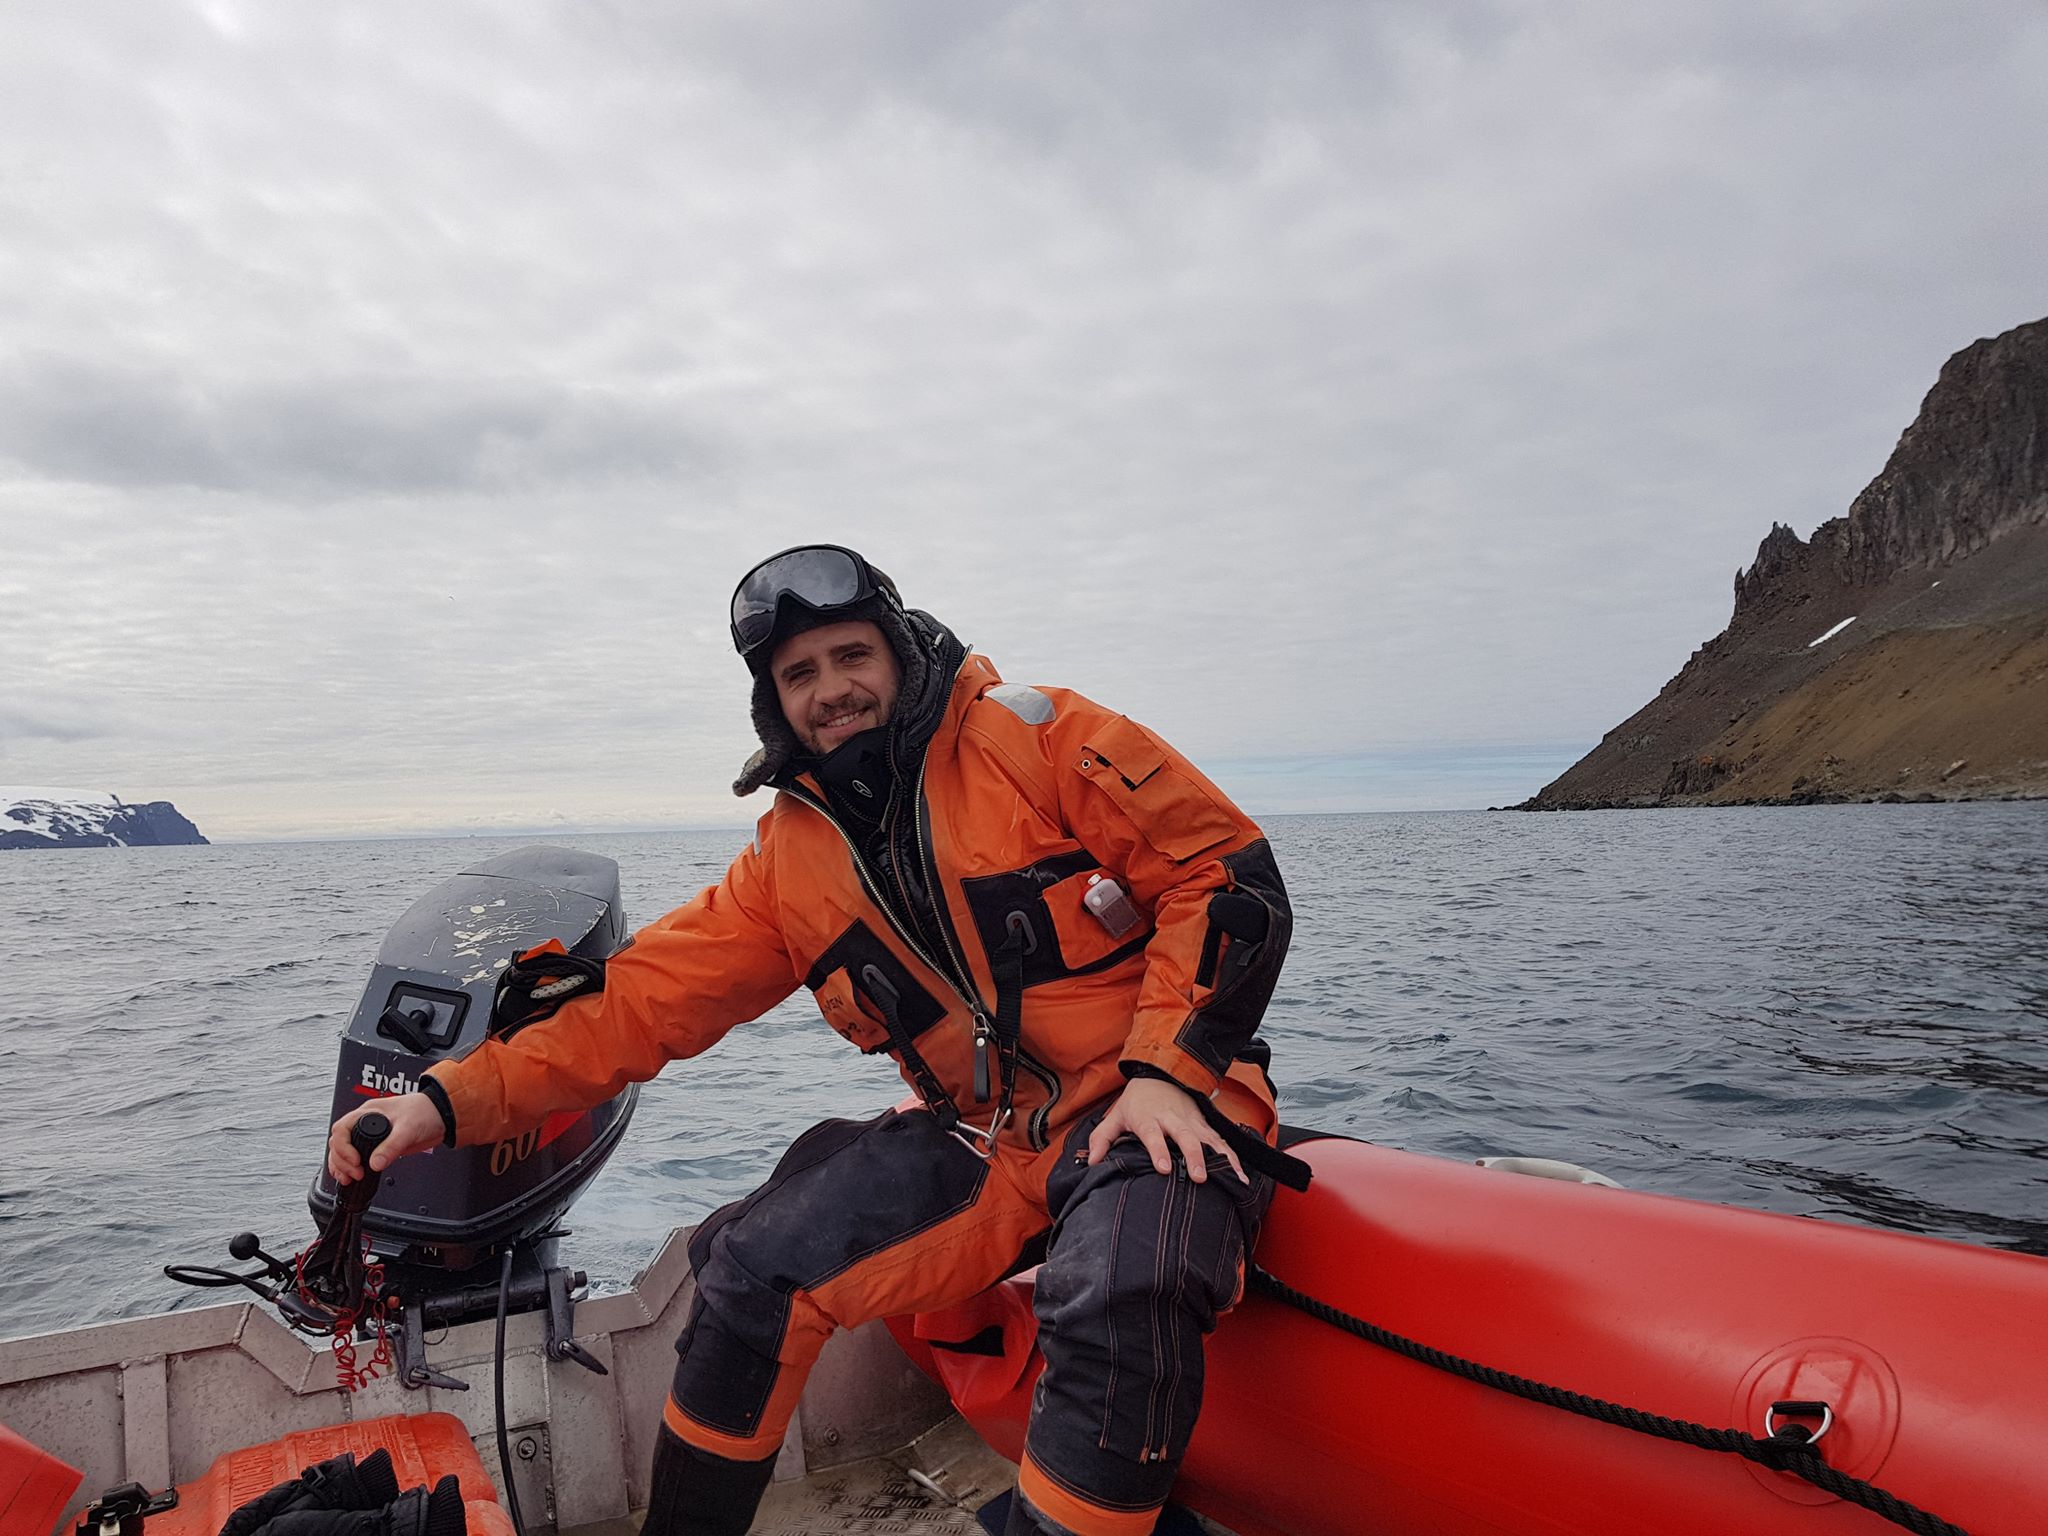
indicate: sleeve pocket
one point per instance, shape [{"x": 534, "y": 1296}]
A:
[
  {"x": 1083, "y": 939},
  {"x": 1172, "y": 812}
]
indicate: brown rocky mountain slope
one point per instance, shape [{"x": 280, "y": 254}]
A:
[{"x": 1902, "y": 652}]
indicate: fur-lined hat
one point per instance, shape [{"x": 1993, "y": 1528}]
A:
[{"x": 913, "y": 637}]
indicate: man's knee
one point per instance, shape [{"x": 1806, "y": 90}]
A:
[
  {"x": 1142, "y": 1267},
  {"x": 807, "y": 1252},
  {"x": 753, "y": 1328},
  {"x": 1132, "y": 1242}
]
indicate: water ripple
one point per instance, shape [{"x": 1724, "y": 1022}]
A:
[{"x": 1829, "y": 1011}]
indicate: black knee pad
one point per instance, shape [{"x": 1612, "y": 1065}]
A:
[{"x": 1141, "y": 1266}]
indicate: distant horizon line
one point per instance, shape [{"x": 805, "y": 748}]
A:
[{"x": 464, "y": 834}]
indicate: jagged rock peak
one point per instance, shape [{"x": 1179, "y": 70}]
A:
[
  {"x": 1781, "y": 551},
  {"x": 1973, "y": 464}
]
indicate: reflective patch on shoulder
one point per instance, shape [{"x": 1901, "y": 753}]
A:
[{"x": 1027, "y": 704}]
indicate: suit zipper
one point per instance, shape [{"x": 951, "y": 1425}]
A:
[
  {"x": 927, "y": 858},
  {"x": 873, "y": 887},
  {"x": 930, "y": 865},
  {"x": 1035, "y": 1131},
  {"x": 928, "y": 862}
]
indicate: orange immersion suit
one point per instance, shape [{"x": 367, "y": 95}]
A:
[{"x": 971, "y": 930}]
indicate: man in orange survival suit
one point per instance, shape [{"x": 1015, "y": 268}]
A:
[{"x": 1066, "y": 937}]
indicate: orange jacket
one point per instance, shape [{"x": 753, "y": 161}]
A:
[{"x": 1028, "y": 792}]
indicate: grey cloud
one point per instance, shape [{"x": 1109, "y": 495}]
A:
[
  {"x": 75, "y": 420},
  {"x": 1804, "y": 45},
  {"x": 1134, "y": 92},
  {"x": 104, "y": 424},
  {"x": 19, "y": 725},
  {"x": 1127, "y": 90}
]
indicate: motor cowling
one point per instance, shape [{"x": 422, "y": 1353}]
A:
[{"x": 429, "y": 998}]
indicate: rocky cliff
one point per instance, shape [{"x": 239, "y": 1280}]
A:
[
  {"x": 65, "y": 818},
  {"x": 1900, "y": 653}
]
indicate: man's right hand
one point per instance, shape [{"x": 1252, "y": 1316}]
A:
[{"x": 415, "y": 1126}]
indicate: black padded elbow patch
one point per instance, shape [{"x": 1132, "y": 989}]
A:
[
  {"x": 1238, "y": 914},
  {"x": 1254, "y": 916}
]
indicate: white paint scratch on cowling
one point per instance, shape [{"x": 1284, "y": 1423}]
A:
[{"x": 487, "y": 944}]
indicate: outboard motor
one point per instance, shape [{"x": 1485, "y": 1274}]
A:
[
  {"x": 430, "y": 997},
  {"x": 457, "y": 1233}
]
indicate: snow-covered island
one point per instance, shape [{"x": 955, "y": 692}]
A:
[{"x": 83, "y": 818}]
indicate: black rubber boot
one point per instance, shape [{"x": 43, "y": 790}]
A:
[
  {"x": 338, "y": 1483},
  {"x": 1026, "y": 1521},
  {"x": 697, "y": 1494}
]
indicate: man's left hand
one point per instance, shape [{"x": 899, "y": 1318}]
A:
[{"x": 1161, "y": 1115}]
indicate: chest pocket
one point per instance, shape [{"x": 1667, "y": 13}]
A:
[
  {"x": 858, "y": 982},
  {"x": 1176, "y": 814},
  {"x": 1059, "y": 935}
]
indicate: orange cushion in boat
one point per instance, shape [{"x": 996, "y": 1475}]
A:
[
  {"x": 424, "y": 1447},
  {"x": 34, "y": 1487}
]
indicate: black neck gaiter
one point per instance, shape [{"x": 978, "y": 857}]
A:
[{"x": 857, "y": 781}]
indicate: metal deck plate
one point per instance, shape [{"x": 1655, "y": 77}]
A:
[
  {"x": 933, "y": 1485},
  {"x": 868, "y": 1498}
]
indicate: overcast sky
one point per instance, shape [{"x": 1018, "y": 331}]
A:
[{"x": 1375, "y": 398}]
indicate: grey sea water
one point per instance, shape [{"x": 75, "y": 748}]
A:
[{"x": 1837, "y": 1011}]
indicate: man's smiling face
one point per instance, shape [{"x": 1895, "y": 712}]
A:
[{"x": 835, "y": 681}]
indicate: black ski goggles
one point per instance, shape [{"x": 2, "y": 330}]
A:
[{"x": 819, "y": 576}]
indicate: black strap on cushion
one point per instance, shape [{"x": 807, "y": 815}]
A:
[{"x": 538, "y": 983}]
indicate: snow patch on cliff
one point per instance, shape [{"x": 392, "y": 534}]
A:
[
  {"x": 33, "y": 817},
  {"x": 55, "y": 813},
  {"x": 1833, "y": 632}
]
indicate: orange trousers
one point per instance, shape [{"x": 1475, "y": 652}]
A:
[{"x": 869, "y": 1219}]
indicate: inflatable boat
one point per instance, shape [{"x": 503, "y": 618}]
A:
[{"x": 1913, "y": 1364}]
